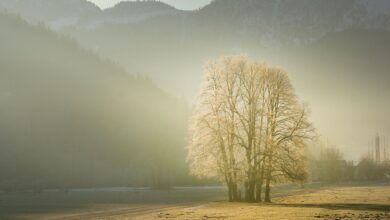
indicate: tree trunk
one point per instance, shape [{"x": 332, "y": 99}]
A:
[
  {"x": 251, "y": 197},
  {"x": 235, "y": 192},
  {"x": 259, "y": 187},
  {"x": 229, "y": 187},
  {"x": 230, "y": 192},
  {"x": 250, "y": 190},
  {"x": 268, "y": 187},
  {"x": 246, "y": 190},
  {"x": 267, "y": 193}
]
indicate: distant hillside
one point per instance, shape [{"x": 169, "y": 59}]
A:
[
  {"x": 55, "y": 13},
  {"x": 270, "y": 22},
  {"x": 59, "y": 14},
  {"x": 95, "y": 124},
  {"x": 263, "y": 28},
  {"x": 129, "y": 12}
]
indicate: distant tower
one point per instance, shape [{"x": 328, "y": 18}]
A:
[
  {"x": 377, "y": 149},
  {"x": 384, "y": 150},
  {"x": 370, "y": 150}
]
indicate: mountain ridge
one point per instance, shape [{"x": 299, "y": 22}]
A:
[{"x": 302, "y": 20}]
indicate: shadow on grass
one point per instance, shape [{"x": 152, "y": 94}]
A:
[{"x": 338, "y": 206}]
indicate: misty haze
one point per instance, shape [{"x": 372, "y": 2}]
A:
[{"x": 194, "y": 109}]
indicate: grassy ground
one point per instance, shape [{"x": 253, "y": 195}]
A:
[
  {"x": 326, "y": 203},
  {"x": 336, "y": 202}
]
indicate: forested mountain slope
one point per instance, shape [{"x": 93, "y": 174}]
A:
[{"x": 71, "y": 119}]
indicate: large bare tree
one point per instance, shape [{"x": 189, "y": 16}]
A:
[{"x": 248, "y": 128}]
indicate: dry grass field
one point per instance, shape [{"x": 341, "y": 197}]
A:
[
  {"x": 330, "y": 203},
  {"x": 352, "y": 202}
]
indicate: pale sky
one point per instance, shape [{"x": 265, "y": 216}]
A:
[{"x": 180, "y": 4}]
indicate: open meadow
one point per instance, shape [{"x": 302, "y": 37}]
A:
[
  {"x": 312, "y": 202},
  {"x": 371, "y": 202}
]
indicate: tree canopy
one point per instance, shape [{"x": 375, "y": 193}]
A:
[{"x": 249, "y": 128}]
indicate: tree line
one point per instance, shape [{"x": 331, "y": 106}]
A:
[
  {"x": 330, "y": 166},
  {"x": 248, "y": 128}
]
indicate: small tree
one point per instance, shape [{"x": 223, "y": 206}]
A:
[{"x": 331, "y": 165}]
